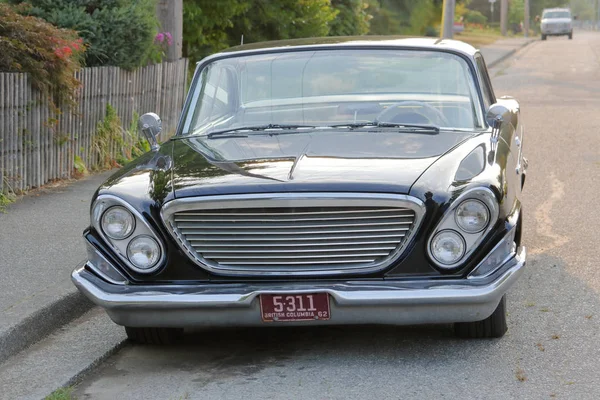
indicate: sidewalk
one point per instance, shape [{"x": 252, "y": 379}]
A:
[
  {"x": 40, "y": 244},
  {"x": 500, "y": 50}
]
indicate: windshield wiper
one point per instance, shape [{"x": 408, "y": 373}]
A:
[
  {"x": 258, "y": 128},
  {"x": 411, "y": 127},
  {"x": 433, "y": 129}
]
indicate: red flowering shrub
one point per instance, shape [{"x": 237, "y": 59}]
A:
[{"x": 48, "y": 54}]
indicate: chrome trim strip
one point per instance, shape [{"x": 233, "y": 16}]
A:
[
  {"x": 291, "y": 200},
  {"x": 479, "y": 272},
  {"x": 352, "y": 302}
]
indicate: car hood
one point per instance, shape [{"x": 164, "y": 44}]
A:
[{"x": 378, "y": 161}]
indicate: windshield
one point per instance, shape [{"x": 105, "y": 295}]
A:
[
  {"x": 556, "y": 14},
  {"x": 332, "y": 88}
]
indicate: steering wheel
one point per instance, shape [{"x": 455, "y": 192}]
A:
[{"x": 417, "y": 112}]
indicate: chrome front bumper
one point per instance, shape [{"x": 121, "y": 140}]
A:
[{"x": 352, "y": 302}]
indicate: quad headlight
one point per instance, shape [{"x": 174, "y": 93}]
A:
[
  {"x": 463, "y": 227},
  {"x": 472, "y": 216},
  {"x": 143, "y": 252},
  {"x": 447, "y": 247},
  {"x": 118, "y": 223},
  {"x": 128, "y": 233}
]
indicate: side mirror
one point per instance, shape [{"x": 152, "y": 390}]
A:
[
  {"x": 151, "y": 126},
  {"x": 496, "y": 115},
  {"x": 508, "y": 108}
]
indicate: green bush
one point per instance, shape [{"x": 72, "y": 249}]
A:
[
  {"x": 116, "y": 32},
  {"x": 110, "y": 135},
  {"x": 352, "y": 18},
  {"x": 49, "y": 55},
  {"x": 432, "y": 31},
  {"x": 516, "y": 11},
  {"x": 475, "y": 17},
  {"x": 210, "y": 26}
]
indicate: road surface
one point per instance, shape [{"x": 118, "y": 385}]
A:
[{"x": 552, "y": 349}]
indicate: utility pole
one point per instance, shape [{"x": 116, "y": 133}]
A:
[
  {"x": 504, "y": 17},
  {"x": 526, "y": 19},
  {"x": 448, "y": 19},
  {"x": 597, "y": 15},
  {"x": 170, "y": 17}
]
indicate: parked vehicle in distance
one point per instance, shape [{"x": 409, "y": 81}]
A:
[
  {"x": 556, "y": 22},
  {"x": 318, "y": 181}
]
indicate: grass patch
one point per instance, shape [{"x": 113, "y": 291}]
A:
[
  {"x": 478, "y": 37},
  {"x": 483, "y": 37},
  {"x": 115, "y": 146},
  {"x": 80, "y": 170},
  {"x": 61, "y": 394},
  {"x": 5, "y": 200}
]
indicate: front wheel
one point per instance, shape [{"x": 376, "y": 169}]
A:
[
  {"x": 493, "y": 326},
  {"x": 160, "y": 336}
]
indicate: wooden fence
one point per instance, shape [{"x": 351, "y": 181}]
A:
[{"x": 37, "y": 146}]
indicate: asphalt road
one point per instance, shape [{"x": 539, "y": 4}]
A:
[{"x": 552, "y": 349}]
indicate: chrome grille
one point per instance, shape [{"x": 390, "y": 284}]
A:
[{"x": 293, "y": 236}]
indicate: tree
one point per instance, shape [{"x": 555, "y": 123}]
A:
[
  {"x": 516, "y": 11},
  {"x": 282, "y": 19},
  {"x": 536, "y": 7},
  {"x": 48, "y": 54},
  {"x": 584, "y": 9},
  {"x": 116, "y": 32},
  {"x": 205, "y": 24},
  {"x": 405, "y": 17},
  {"x": 384, "y": 20},
  {"x": 352, "y": 18},
  {"x": 210, "y": 26}
]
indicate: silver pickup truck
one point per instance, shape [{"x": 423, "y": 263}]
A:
[{"x": 557, "y": 22}]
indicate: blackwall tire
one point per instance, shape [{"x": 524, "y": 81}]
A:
[
  {"x": 157, "y": 336},
  {"x": 493, "y": 326}
]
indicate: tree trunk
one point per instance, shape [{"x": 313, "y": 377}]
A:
[{"x": 170, "y": 17}]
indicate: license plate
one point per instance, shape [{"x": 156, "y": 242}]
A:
[{"x": 294, "y": 307}]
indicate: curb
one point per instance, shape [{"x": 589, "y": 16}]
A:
[
  {"x": 509, "y": 54},
  {"x": 64, "y": 358},
  {"x": 42, "y": 322},
  {"x": 81, "y": 375}
]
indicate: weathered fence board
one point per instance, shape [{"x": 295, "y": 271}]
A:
[{"x": 37, "y": 145}]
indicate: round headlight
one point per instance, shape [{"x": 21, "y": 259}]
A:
[
  {"x": 447, "y": 247},
  {"x": 472, "y": 216},
  {"x": 118, "y": 223},
  {"x": 143, "y": 252}
]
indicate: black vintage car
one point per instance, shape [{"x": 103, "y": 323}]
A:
[{"x": 321, "y": 181}]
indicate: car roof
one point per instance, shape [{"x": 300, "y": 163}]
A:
[{"x": 422, "y": 43}]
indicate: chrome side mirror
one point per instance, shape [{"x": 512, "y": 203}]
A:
[
  {"x": 150, "y": 125},
  {"x": 496, "y": 115}
]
